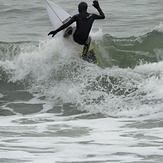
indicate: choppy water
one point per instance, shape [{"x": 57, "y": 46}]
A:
[{"x": 55, "y": 107}]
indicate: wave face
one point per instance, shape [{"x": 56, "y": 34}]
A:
[
  {"x": 128, "y": 82},
  {"x": 131, "y": 51}
]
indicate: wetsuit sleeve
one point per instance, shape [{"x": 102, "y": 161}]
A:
[
  {"x": 101, "y": 14},
  {"x": 72, "y": 20}
]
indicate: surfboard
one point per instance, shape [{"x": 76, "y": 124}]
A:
[
  {"x": 91, "y": 55},
  {"x": 58, "y": 16}
]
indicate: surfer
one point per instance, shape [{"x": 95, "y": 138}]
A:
[{"x": 84, "y": 21}]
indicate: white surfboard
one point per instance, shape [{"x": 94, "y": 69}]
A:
[{"x": 56, "y": 14}]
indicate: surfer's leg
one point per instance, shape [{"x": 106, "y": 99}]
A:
[
  {"x": 69, "y": 31},
  {"x": 85, "y": 48}
]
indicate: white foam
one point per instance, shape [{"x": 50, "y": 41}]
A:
[
  {"x": 55, "y": 70},
  {"x": 159, "y": 28},
  {"x": 89, "y": 140}
]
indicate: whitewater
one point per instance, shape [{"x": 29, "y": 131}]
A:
[{"x": 56, "y": 107}]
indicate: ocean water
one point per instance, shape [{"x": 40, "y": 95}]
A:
[{"x": 55, "y": 107}]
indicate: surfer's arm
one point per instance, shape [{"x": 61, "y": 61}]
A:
[
  {"x": 97, "y": 6},
  {"x": 62, "y": 27}
]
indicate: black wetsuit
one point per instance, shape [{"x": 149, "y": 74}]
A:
[{"x": 84, "y": 23}]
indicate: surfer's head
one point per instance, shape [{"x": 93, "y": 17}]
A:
[{"x": 82, "y": 6}]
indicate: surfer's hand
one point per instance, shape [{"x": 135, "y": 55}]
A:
[
  {"x": 53, "y": 33},
  {"x": 96, "y": 4}
]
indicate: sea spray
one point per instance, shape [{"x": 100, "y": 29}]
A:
[{"x": 124, "y": 86}]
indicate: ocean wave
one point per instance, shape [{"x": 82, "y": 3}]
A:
[
  {"x": 112, "y": 51},
  {"x": 8, "y": 50},
  {"x": 130, "y": 51},
  {"x": 127, "y": 83}
]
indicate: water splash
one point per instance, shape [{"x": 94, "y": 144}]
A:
[{"x": 128, "y": 83}]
